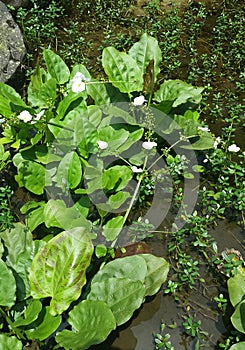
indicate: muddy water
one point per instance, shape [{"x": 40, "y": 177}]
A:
[{"x": 137, "y": 334}]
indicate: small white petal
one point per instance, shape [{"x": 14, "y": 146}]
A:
[
  {"x": 78, "y": 86},
  {"x": 25, "y": 116},
  {"x": 39, "y": 115},
  {"x": 149, "y": 145},
  {"x": 139, "y": 101},
  {"x": 203, "y": 128},
  {"x": 102, "y": 144},
  {"x": 205, "y": 160},
  {"x": 217, "y": 141},
  {"x": 233, "y": 148},
  {"x": 135, "y": 169}
]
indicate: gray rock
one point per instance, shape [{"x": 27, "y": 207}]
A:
[
  {"x": 17, "y": 3},
  {"x": 12, "y": 48}
]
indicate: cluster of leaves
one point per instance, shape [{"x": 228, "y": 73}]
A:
[
  {"x": 60, "y": 145},
  {"x": 44, "y": 284}
]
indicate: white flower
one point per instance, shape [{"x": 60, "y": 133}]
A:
[
  {"x": 217, "y": 141},
  {"x": 233, "y": 148},
  {"x": 203, "y": 128},
  {"x": 205, "y": 160},
  {"x": 78, "y": 82},
  {"x": 149, "y": 145},
  {"x": 79, "y": 76},
  {"x": 25, "y": 116},
  {"x": 78, "y": 86},
  {"x": 39, "y": 115},
  {"x": 139, "y": 101},
  {"x": 135, "y": 169},
  {"x": 102, "y": 144}
]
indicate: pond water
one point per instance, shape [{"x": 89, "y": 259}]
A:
[{"x": 137, "y": 334}]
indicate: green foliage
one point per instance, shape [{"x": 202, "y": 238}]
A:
[{"x": 236, "y": 288}]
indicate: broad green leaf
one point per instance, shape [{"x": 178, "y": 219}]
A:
[
  {"x": 133, "y": 267},
  {"x": 144, "y": 51},
  {"x": 33, "y": 176},
  {"x": 238, "y": 346},
  {"x": 177, "y": 92},
  {"x": 122, "y": 295},
  {"x": 112, "y": 228},
  {"x": 94, "y": 115},
  {"x": 114, "y": 138},
  {"x": 56, "y": 67},
  {"x": 38, "y": 78},
  {"x": 133, "y": 137},
  {"x": 236, "y": 288},
  {"x": 69, "y": 103},
  {"x": 9, "y": 94},
  {"x": 122, "y": 70},
  {"x": 97, "y": 90},
  {"x": 86, "y": 136},
  {"x": 8, "y": 286},
  {"x": 59, "y": 269},
  {"x": 157, "y": 271},
  {"x": 92, "y": 321},
  {"x": 116, "y": 177},
  {"x": 9, "y": 343},
  {"x": 116, "y": 200},
  {"x": 58, "y": 215},
  {"x": 238, "y": 317},
  {"x": 30, "y": 315},
  {"x": 47, "y": 94},
  {"x": 205, "y": 141},
  {"x": 69, "y": 172},
  {"x": 44, "y": 326},
  {"x": 21, "y": 250},
  {"x": 83, "y": 205}
]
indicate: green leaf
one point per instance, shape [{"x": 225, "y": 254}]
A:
[
  {"x": 47, "y": 94},
  {"x": 97, "y": 90},
  {"x": 238, "y": 346},
  {"x": 9, "y": 343},
  {"x": 144, "y": 51},
  {"x": 33, "y": 176},
  {"x": 206, "y": 141},
  {"x": 112, "y": 228},
  {"x": 8, "y": 286},
  {"x": 157, "y": 271},
  {"x": 236, "y": 288},
  {"x": 238, "y": 317},
  {"x": 100, "y": 251},
  {"x": 116, "y": 200},
  {"x": 35, "y": 217},
  {"x": 71, "y": 101},
  {"x": 92, "y": 321},
  {"x": 31, "y": 314},
  {"x": 69, "y": 172},
  {"x": 44, "y": 326},
  {"x": 133, "y": 267},
  {"x": 177, "y": 92},
  {"x": 116, "y": 177},
  {"x": 58, "y": 215},
  {"x": 9, "y": 94},
  {"x": 115, "y": 138},
  {"x": 122, "y": 70},
  {"x": 133, "y": 137},
  {"x": 56, "y": 67},
  {"x": 59, "y": 269},
  {"x": 122, "y": 295},
  {"x": 21, "y": 251}
]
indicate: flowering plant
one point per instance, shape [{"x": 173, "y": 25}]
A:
[{"x": 81, "y": 160}]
